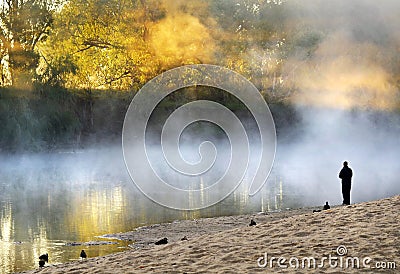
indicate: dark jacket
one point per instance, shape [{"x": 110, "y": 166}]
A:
[{"x": 345, "y": 174}]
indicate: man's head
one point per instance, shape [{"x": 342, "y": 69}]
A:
[{"x": 345, "y": 163}]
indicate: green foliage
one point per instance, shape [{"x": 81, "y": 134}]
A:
[
  {"x": 56, "y": 69},
  {"x": 35, "y": 122}
]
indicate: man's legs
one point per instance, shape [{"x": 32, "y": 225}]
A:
[{"x": 346, "y": 194}]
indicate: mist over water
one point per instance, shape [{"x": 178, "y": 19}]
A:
[
  {"x": 48, "y": 200},
  {"x": 309, "y": 155},
  {"x": 368, "y": 140}
]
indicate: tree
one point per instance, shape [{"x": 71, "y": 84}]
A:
[
  {"x": 23, "y": 24},
  {"x": 252, "y": 37},
  {"x": 120, "y": 45},
  {"x": 98, "y": 44}
]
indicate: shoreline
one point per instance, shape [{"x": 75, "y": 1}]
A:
[
  {"x": 144, "y": 236},
  {"x": 229, "y": 244}
]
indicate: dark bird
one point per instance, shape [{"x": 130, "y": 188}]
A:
[
  {"x": 44, "y": 257},
  {"x": 162, "y": 242},
  {"x": 316, "y": 210},
  {"x": 41, "y": 263},
  {"x": 184, "y": 238},
  {"x": 83, "y": 254},
  {"x": 326, "y": 206},
  {"x": 252, "y": 222}
]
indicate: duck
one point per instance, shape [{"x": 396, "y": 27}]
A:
[
  {"x": 44, "y": 257},
  {"x": 83, "y": 254},
  {"x": 162, "y": 242}
]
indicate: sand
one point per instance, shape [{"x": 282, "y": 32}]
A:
[{"x": 369, "y": 232}]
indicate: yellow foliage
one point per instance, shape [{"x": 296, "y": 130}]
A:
[{"x": 181, "y": 39}]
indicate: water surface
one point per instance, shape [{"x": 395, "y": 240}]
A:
[{"x": 50, "y": 200}]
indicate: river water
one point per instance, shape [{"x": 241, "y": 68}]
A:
[{"x": 60, "y": 203}]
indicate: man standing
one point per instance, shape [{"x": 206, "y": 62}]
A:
[{"x": 345, "y": 174}]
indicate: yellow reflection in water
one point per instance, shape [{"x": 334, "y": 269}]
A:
[
  {"x": 90, "y": 210},
  {"x": 7, "y": 248},
  {"x": 16, "y": 255},
  {"x": 96, "y": 212},
  {"x": 40, "y": 243}
]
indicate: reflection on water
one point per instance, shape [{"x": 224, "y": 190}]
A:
[{"x": 49, "y": 200}]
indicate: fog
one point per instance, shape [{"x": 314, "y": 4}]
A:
[
  {"x": 346, "y": 93},
  {"x": 342, "y": 74},
  {"x": 309, "y": 155},
  {"x": 367, "y": 140},
  {"x": 355, "y": 57}
]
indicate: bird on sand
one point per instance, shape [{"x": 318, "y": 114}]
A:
[
  {"x": 162, "y": 242},
  {"x": 252, "y": 222},
  {"x": 83, "y": 254},
  {"x": 44, "y": 257}
]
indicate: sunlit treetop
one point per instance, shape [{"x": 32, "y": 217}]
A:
[{"x": 306, "y": 51}]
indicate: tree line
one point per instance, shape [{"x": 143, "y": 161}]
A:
[
  {"x": 121, "y": 44},
  {"x": 65, "y": 63}
]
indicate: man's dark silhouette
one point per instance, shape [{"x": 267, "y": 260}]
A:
[{"x": 345, "y": 174}]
